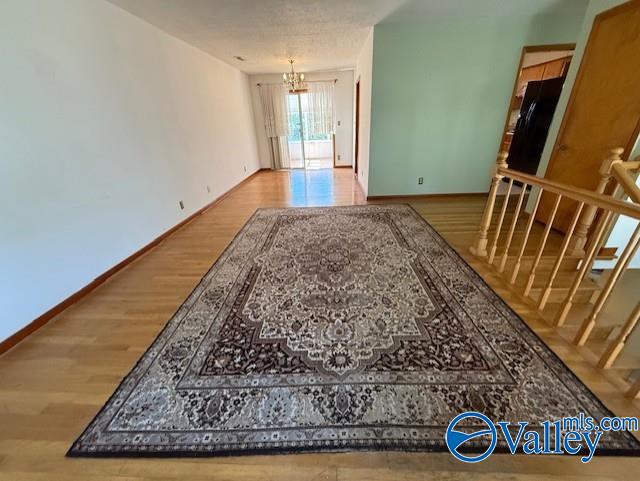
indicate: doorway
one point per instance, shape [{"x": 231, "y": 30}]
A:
[
  {"x": 307, "y": 149},
  {"x": 541, "y": 75}
]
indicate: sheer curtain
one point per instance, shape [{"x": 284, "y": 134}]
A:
[
  {"x": 276, "y": 123},
  {"x": 321, "y": 108}
]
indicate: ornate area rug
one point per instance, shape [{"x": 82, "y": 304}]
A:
[{"x": 327, "y": 329}]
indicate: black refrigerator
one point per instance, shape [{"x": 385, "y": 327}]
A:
[{"x": 530, "y": 133}]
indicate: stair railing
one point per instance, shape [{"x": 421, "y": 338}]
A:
[{"x": 586, "y": 234}]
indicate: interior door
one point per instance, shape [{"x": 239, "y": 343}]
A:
[{"x": 603, "y": 110}]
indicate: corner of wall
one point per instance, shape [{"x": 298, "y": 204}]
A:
[{"x": 364, "y": 74}]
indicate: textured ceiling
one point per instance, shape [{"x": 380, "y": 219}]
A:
[
  {"x": 318, "y": 34},
  {"x": 439, "y": 10}
]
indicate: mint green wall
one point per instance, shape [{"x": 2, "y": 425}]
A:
[{"x": 440, "y": 96}]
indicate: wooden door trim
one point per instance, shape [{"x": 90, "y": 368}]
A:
[
  {"x": 548, "y": 61},
  {"x": 580, "y": 76},
  {"x": 333, "y": 148},
  {"x": 356, "y": 152},
  {"x": 548, "y": 47},
  {"x": 525, "y": 50}
]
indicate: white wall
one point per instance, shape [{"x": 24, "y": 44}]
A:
[
  {"x": 364, "y": 73},
  {"x": 106, "y": 123},
  {"x": 344, "y": 112}
]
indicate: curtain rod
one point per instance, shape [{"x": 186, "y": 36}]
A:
[{"x": 306, "y": 81}]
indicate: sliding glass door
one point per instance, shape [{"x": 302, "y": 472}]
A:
[
  {"x": 306, "y": 151},
  {"x": 296, "y": 132}
]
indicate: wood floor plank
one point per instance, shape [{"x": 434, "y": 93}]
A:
[{"x": 54, "y": 382}]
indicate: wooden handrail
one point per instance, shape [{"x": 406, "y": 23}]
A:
[
  {"x": 576, "y": 193},
  {"x": 631, "y": 164},
  {"x": 591, "y": 222},
  {"x": 621, "y": 173}
]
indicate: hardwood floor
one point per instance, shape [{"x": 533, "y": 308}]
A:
[{"x": 55, "y": 381}]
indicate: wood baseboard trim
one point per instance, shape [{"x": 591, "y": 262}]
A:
[
  {"x": 425, "y": 196},
  {"x": 75, "y": 297}
]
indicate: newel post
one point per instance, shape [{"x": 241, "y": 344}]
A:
[
  {"x": 479, "y": 248},
  {"x": 580, "y": 237}
]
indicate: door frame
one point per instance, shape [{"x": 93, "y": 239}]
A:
[
  {"x": 525, "y": 50},
  {"x": 579, "y": 77},
  {"x": 356, "y": 153}
]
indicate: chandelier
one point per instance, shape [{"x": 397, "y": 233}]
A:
[{"x": 294, "y": 80}]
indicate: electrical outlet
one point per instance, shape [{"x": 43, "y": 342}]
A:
[
  {"x": 208, "y": 189},
  {"x": 181, "y": 205},
  {"x": 339, "y": 157},
  {"x": 338, "y": 123},
  {"x": 420, "y": 180},
  {"x": 245, "y": 168}
]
